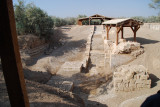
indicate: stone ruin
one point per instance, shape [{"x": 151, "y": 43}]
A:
[
  {"x": 131, "y": 77},
  {"x": 127, "y": 47}
]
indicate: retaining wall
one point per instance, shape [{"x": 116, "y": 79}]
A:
[
  {"x": 152, "y": 26},
  {"x": 88, "y": 49}
]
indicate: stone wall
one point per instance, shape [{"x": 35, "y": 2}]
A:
[
  {"x": 152, "y": 26},
  {"x": 30, "y": 41},
  {"x": 32, "y": 45},
  {"x": 86, "y": 59},
  {"x": 130, "y": 78}
]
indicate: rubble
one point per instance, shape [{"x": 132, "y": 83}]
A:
[
  {"x": 137, "y": 52},
  {"x": 125, "y": 47}
]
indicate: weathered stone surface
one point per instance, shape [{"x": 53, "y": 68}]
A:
[
  {"x": 137, "y": 52},
  {"x": 119, "y": 59},
  {"x": 58, "y": 82},
  {"x": 130, "y": 78},
  {"x": 125, "y": 47},
  {"x": 70, "y": 68}
]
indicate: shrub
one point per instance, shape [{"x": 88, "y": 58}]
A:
[{"x": 31, "y": 19}]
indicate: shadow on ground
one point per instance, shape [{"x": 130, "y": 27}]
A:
[
  {"x": 154, "y": 80},
  {"x": 63, "y": 45},
  {"x": 143, "y": 41}
]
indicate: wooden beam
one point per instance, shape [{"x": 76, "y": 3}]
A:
[
  {"x": 132, "y": 28},
  {"x": 119, "y": 29},
  {"x": 135, "y": 29},
  {"x": 10, "y": 57}
]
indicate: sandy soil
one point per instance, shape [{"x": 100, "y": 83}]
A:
[
  {"x": 73, "y": 46},
  {"x": 149, "y": 40},
  {"x": 73, "y": 41}
]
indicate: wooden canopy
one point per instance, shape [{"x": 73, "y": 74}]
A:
[
  {"x": 119, "y": 24},
  {"x": 96, "y": 16}
]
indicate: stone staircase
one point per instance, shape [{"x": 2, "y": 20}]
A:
[{"x": 97, "y": 55}]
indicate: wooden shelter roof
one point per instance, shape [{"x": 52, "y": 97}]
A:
[
  {"x": 96, "y": 16},
  {"x": 123, "y": 22},
  {"x": 119, "y": 24}
]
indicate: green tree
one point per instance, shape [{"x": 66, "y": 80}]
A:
[
  {"x": 155, "y": 4},
  {"x": 86, "y": 22},
  {"x": 31, "y": 19},
  {"x": 20, "y": 17},
  {"x": 38, "y": 21}
]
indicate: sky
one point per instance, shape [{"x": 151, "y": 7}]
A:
[{"x": 110, "y": 8}]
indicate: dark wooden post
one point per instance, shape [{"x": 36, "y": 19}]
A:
[
  {"x": 122, "y": 33},
  {"x": 134, "y": 31},
  {"x": 108, "y": 29},
  {"x": 134, "y": 34},
  {"x": 107, "y": 32},
  {"x": 10, "y": 57},
  {"x": 117, "y": 36}
]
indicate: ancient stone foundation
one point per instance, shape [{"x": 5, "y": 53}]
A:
[{"x": 130, "y": 78}]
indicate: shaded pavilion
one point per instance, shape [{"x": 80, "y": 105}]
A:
[
  {"x": 96, "y": 16},
  {"x": 120, "y": 24}
]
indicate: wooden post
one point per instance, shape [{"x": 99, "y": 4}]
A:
[
  {"x": 107, "y": 32},
  {"x": 135, "y": 33},
  {"x": 108, "y": 29},
  {"x": 10, "y": 57},
  {"x": 117, "y": 36},
  {"x": 122, "y": 33}
]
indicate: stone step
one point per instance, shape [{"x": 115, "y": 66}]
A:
[
  {"x": 68, "y": 69},
  {"x": 59, "y": 82},
  {"x": 93, "y": 71},
  {"x": 97, "y": 52}
]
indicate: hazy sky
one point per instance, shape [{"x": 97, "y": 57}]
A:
[{"x": 110, "y": 8}]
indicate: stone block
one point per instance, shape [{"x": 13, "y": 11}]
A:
[
  {"x": 132, "y": 81},
  {"x": 122, "y": 40},
  {"x": 147, "y": 86},
  {"x": 120, "y": 87},
  {"x": 132, "y": 85},
  {"x": 117, "y": 74},
  {"x": 118, "y": 80},
  {"x": 144, "y": 77},
  {"x": 148, "y": 82},
  {"x": 129, "y": 78},
  {"x": 139, "y": 86},
  {"x": 132, "y": 88},
  {"x": 126, "y": 89},
  {"x": 67, "y": 85},
  {"x": 138, "y": 81}
]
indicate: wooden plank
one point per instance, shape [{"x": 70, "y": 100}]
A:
[{"x": 10, "y": 57}]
